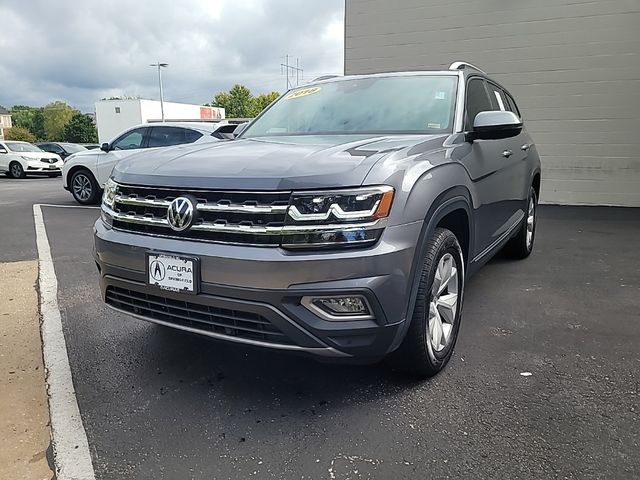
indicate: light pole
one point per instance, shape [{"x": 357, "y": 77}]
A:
[{"x": 160, "y": 66}]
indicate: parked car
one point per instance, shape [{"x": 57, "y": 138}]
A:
[
  {"x": 343, "y": 222},
  {"x": 62, "y": 149},
  {"x": 19, "y": 159},
  {"x": 85, "y": 173}
]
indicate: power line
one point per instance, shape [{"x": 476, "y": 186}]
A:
[{"x": 289, "y": 70}]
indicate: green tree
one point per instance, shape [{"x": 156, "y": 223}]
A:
[
  {"x": 38, "y": 124},
  {"x": 237, "y": 103},
  {"x": 240, "y": 103},
  {"x": 262, "y": 101},
  {"x": 22, "y": 116},
  {"x": 19, "y": 134},
  {"x": 56, "y": 115},
  {"x": 80, "y": 129}
]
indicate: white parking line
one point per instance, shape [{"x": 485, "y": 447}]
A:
[{"x": 68, "y": 437}]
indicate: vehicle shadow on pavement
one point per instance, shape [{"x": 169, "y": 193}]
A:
[{"x": 285, "y": 379}]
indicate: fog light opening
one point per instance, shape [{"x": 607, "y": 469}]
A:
[{"x": 339, "y": 307}]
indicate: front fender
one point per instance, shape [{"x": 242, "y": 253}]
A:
[{"x": 453, "y": 199}]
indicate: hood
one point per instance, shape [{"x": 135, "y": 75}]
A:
[
  {"x": 38, "y": 155},
  {"x": 270, "y": 163},
  {"x": 83, "y": 153}
]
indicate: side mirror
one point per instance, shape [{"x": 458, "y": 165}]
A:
[
  {"x": 239, "y": 129},
  {"x": 105, "y": 147},
  {"x": 3, "y": 150},
  {"x": 494, "y": 126}
]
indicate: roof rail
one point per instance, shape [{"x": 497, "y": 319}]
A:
[
  {"x": 463, "y": 65},
  {"x": 324, "y": 77}
]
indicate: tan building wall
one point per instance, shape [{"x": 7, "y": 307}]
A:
[{"x": 574, "y": 68}]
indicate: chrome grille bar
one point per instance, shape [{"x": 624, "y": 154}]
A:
[
  {"x": 248, "y": 229},
  {"x": 141, "y": 202},
  {"x": 203, "y": 207}
]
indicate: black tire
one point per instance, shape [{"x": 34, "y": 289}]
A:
[
  {"x": 84, "y": 188},
  {"x": 521, "y": 245},
  {"x": 16, "y": 170},
  {"x": 417, "y": 354}
]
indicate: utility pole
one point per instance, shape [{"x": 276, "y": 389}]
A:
[
  {"x": 287, "y": 70},
  {"x": 160, "y": 67}
]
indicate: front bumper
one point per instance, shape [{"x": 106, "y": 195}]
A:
[
  {"x": 243, "y": 288},
  {"x": 42, "y": 167}
]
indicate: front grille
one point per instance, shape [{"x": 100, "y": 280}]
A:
[
  {"x": 48, "y": 160},
  {"x": 253, "y": 218},
  {"x": 233, "y": 323}
]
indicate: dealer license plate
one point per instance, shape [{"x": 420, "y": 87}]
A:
[{"x": 173, "y": 273}]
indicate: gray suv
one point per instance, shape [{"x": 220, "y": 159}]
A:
[{"x": 341, "y": 223}]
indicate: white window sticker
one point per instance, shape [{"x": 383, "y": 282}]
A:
[
  {"x": 500, "y": 102},
  {"x": 440, "y": 95}
]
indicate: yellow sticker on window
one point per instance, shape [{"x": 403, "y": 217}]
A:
[{"x": 302, "y": 92}]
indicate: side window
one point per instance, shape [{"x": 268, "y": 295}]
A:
[
  {"x": 52, "y": 147},
  {"x": 497, "y": 97},
  {"x": 512, "y": 104},
  {"x": 191, "y": 135},
  {"x": 477, "y": 101},
  {"x": 166, "y": 136},
  {"x": 130, "y": 140}
]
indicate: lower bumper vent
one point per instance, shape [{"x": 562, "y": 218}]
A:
[{"x": 233, "y": 323}]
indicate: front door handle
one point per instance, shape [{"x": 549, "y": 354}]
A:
[
  {"x": 525, "y": 147},
  {"x": 507, "y": 153}
]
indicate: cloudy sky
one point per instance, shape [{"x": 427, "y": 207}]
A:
[{"x": 79, "y": 51}]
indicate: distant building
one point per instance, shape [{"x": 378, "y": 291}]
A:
[
  {"x": 5, "y": 122},
  {"x": 114, "y": 116}
]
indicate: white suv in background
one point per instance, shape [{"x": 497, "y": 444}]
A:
[
  {"x": 85, "y": 173},
  {"x": 19, "y": 159}
]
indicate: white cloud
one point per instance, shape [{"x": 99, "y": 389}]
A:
[{"x": 81, "y": 51}]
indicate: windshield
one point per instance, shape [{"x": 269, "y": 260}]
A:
[
  {"x": 22, "y": 147},
  {"x": 72, "y": 147},
  {"x": 395, "y": 104}
]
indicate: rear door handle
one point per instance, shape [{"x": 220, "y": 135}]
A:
[
  {"x": 507, "y": 153},
  {"x": 525, "y": 147}
]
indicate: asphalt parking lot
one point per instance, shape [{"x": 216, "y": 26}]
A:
[{"x": 162, "y": 404}]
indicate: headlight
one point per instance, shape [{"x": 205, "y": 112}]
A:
[
  {"x": 353, "y": 217},
  {"x": 109, "y": 195},
  {"x": 28, "y": 159}
]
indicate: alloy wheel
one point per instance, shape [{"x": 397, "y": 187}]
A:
[
  {"x": 82, "y": 188},
  {"x": 16, "y": 170},
  {"x": 531, "y": 221},
  {"x": 444, "y": 303}
]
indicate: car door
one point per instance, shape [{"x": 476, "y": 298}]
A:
[
  {"x": 490, "y": 164},
  {"x": 515, "y": 163},
  {"x": 122, "y": 147}
]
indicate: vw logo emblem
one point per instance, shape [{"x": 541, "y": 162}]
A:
[{"x": 180, "y": 213}]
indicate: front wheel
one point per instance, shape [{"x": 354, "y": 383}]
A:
[
  {"x": 16, "y": 170},
  {"x": 84, "y": 188},
  {"x": 432, "y": 334}
]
